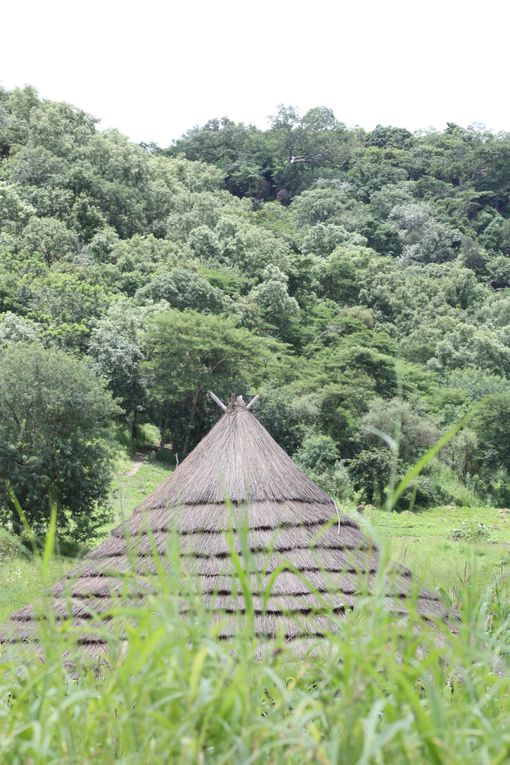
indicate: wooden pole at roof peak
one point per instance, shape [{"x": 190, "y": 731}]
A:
[{"x": 217, "y": 400}]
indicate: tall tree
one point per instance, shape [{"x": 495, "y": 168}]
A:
[{"x": 192, "y": 353}]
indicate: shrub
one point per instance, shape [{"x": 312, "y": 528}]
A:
[
  {"x": 10, "y": 546},
  {"x": 318, "y": 456},
  {"x": 472, "y": 531}
]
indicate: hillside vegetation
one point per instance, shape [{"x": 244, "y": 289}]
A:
[{"x": 357, "y": 280}]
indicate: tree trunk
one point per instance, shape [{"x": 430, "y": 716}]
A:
[
  {"x": 134, "y": 424},
  {"x": 17, "y": 525},
  {"x": 194, "y": 404}
]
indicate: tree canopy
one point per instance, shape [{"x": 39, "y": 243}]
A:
[{"x": 54, "y": 438}]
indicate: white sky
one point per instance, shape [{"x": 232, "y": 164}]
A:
[{"x": 152, "y": 69}]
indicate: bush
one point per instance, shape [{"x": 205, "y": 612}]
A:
[
  {"x": 439, "y": 486},
  {"x": 10, "y": 546},
  {"x": 335, "y": 482},
  {"x": 472, "y": 531},
  {"x": 318, "y": 457}
]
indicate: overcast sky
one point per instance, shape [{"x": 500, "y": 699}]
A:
[{"x": 152, "y": 69}]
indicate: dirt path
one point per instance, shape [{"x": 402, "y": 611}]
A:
[{"x": 138, "y": 460}]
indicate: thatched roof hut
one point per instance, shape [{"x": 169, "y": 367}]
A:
[{"x": 236, "y": 478}]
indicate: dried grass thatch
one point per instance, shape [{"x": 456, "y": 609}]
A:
[{"x": 238, "y": 490}]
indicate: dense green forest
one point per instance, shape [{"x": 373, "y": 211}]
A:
[{"x": 359, "y": 281}]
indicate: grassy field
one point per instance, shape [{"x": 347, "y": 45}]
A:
[
  {"x": 129, "y": 490},
  {"x": 426, "y": 543}
]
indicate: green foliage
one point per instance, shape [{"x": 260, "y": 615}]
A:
[
  {"x": 399, "y": 425},
  {"x": 54, "y": 426},
  {"x": 183, "y": 288},
  {"x": 191, "y": 353},
  {"x": 11, "y": 547},
  {"x": 288, "y": 413},
  {"x": 14, "y": 212},
  {"x": 118, "y": 347},
  {"x": 317, "y": 453},
  {"x": 64, "y": 305},
  {"x": 270, "y": 305},
  {"x": 471, "y": 531},
  {"x": 372, "y": 471},
  {"x": 15, "y": 328},
  {"x": 48, "y": 237},
  {"x": 340, "y": 276},
  {"x": 491, "y": 425},
  {"x": 319, "y": 458}
]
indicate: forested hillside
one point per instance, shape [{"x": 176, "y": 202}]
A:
[{"x": 359, "y": 281}]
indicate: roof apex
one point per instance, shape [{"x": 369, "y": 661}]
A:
[
  {"x": 238, "y": 460},
  {"x": 236, "y": 402}
]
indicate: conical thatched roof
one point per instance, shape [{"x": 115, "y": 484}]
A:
[{"x": 288, "y": 521}]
